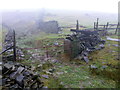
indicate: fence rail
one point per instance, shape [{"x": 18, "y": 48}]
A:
[{"x": 107, "y": 26}]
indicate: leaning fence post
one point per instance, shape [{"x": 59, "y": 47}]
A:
[
  {"x": 117, "y": 28},
  {"x": 14, "y": 45},
  {"x": 107, "y": 25}
]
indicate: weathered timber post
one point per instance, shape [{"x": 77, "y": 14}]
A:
[
  {"x": 97, "y": 24},
  {"x": 77, "y": 25},
  {"x": 107, "y": 25},
  {"x": 117, "y": 28},
  {"x": 14, "y": 45},
  {"x": 104, "y": 27},
  {"x": 94, "y": 26}
]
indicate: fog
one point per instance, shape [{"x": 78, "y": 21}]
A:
[{"x": 109, "y": 6}]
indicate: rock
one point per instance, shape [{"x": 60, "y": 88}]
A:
[
  {"x": 4, "y": 81},
  {"x": 13, "y": 75},
  {"x": 8, "y": 66},
  {"x": 113, "y": 51},
  {"x": 93, "y": 67},
  {"x": 0, "y": 76},
  {"x": 59, "y": 73},
  {"x": 26, "y": 73},
  {"x": 45, "y": 76},
  {"x": 0, "y": 63},
  {"x": 54, "y": 61},
  {"x": 103, "y": 67},
  {"x": 101, "y": 46},
  {"x": 65, "y": 72},
  {"x": 40, "y": 65},
  {"x": 56, "y": 43},
  {"x": 86, "y": 59},
  {"x": 51, "y": 70},
  {"x": 48, "y": 72},
  {"x": 19, "y": 79},
  {"x": 33, "y": 68},
  {"x": 20, "y": 69},
  {"x": 22, "y": 55},
  {"x": 0, "y": 82},
  {"x": 0, "y": 68},
  {"x": 61, "y": 83},
  {"x": 116, "y": 45},
  {"x": 85, "y": 53},
  {"x": 15, "y": 86},
  {"x": 45, "y": 87}
]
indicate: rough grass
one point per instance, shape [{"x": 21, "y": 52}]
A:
[
  {"x": 79, "y": 75},
  {"x": 115, "y": 36},
  {"x": 76, "y": 73}
]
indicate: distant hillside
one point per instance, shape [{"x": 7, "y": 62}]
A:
[
  {"x": 67, "y": 17},
  {"x": 25, "y": 21}
]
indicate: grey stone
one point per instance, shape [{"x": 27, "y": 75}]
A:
[
  {"x": 45, "y": 76},
  {"x": 8, "y": 66},
  {"x": 86, "y": 59},
  {"x": 26, "y": 73},
  {"x": 19, "y": 78},
  {"x": 0, "y": 82},
  {"x": 101, "y": 46},
  {"x": 59, "y": 73},
  {"x": 0, "y": 62},
  {"x": 116, "y": 45},
  {"x": 51, "y": 70},
  {"x": 20, "y": 69},
  {"x": 103, "y": 67},
  {"x": 15, "y": 74},
  {"x": 93, "y": 67}
]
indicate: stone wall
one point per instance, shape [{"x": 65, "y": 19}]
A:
[{"x": 49, "y": 27}]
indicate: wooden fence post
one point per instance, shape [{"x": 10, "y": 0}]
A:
[
  {"x": 77, "y": 25},
  {"x": 94, "y": 26},
  {"x": 14, "y": 45},
  {"x": 97, "y": 24},
  {"x": 107, "y": 25},
  {"x": 117, "y": 28}
]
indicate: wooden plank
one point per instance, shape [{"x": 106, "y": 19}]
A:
[
  {"x": 113, "y": 24},
  {"x": 101, "y": 25},
  {"x": 6, "y": 50}
]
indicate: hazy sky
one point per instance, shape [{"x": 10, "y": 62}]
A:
[{"x": 89, "y": 5}]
